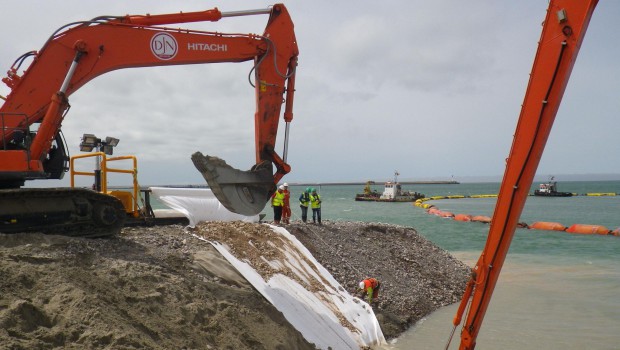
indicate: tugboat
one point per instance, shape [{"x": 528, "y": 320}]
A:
[
  {"x": 550, "y": 189},
  {"x": 392, "y": 192}
]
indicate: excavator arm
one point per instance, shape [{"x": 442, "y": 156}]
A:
[
  {"x": 82, "y": 51},
  {"x": 563, "y": 31}
]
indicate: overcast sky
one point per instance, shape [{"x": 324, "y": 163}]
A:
[{"x": 432, "y": 89}]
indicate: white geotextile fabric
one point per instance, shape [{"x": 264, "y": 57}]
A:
[
  {"x": 312, "y": 314},
  {"x": 197, "y": 204}
]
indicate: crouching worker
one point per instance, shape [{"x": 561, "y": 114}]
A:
[{"x": 370, "y": 287}]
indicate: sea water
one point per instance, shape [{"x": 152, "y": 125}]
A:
[{"x": 556, "y": 290}]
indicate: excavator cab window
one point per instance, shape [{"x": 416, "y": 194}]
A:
[
  {"x": 56, "y": 164},
  {"x": 19, "y": 136},
  {"x": 14, "y": 138}
]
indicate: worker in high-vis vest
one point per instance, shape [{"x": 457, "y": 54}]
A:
[
  {"x": 370, "y": 287},
  {"x": 304, "y": 202},
  {"x": 277, "y": 202},
  {"x": 315, "y": 203}
]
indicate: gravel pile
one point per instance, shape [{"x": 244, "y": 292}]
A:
[{"x": 416, "y": 276}]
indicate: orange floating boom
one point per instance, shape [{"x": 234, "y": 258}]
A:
[
  {"x": 588, "y": 229},
  {"x": 433, "y": 211},
  {"x": 462, "y": 217},
  {"x": 549, "y": 226},
  {"x": 481, "y": 218}
]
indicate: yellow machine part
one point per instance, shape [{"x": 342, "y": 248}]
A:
[{"x": 125, "y": 198}]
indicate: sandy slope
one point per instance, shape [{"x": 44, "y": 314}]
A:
[
  {"x": 160, "y": 288},
  {"x": 151, "y": 288}
]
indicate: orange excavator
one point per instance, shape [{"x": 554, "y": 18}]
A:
[
  {"x": 32, "y": 146},
  {"x": 563, "y": 32}
]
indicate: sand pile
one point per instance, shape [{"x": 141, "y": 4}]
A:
[
  {"x": 150, "y": 288},
  {"x": 160, "y": 288}
]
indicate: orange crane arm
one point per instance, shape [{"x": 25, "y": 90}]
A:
[
  {"x": 563, "y": 31},
  {"x": 89, "y": 49}
]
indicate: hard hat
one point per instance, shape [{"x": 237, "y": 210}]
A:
[
  {"x": 281, "y": 187},
  {"x": 312, "y": 189},
  {"x": 362, "y": 285},
  {"x": 308, "y": 189},
  {"x": 285, "y": 184}
]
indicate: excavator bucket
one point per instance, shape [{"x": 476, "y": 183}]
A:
[{"x": 242, "y": 192}]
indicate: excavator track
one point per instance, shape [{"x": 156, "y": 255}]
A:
[{"x": 64, "y": 211}]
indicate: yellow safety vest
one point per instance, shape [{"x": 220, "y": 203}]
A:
[
  {"x": 304, "y": 199},
  {"x": 316, "y": 201},
  {"x": 278, "y": 199}
]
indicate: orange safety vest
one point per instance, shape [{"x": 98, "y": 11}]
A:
[
  {"x": 371, "y": 288},
  {"x": 371, "y": 283}
]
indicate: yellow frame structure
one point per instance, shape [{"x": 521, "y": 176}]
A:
[{"x": 130, "y": 208}]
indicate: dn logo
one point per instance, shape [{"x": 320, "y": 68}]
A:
[{"x": 164, "y": 46}]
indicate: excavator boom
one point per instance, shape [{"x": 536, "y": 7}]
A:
[
  {"x": 81, "y": 51},
  {"x": 563, "y": 31}
]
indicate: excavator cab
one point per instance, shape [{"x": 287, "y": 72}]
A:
[{"x": 56, "y": 163}]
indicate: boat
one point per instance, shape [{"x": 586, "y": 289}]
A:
[
  {"x": 392, "y": 192},
  {"x": 369, "y": 193},
  {"x": 550, "y": 189}
]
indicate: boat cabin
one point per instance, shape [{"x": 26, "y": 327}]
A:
[
  {"x": 547, "y": 188},
  {"x": 391, "y": 190}
]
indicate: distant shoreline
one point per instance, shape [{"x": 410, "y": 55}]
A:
[
  {"x": 467, "y": 180},
  {"x": 451, "y": 182}
]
